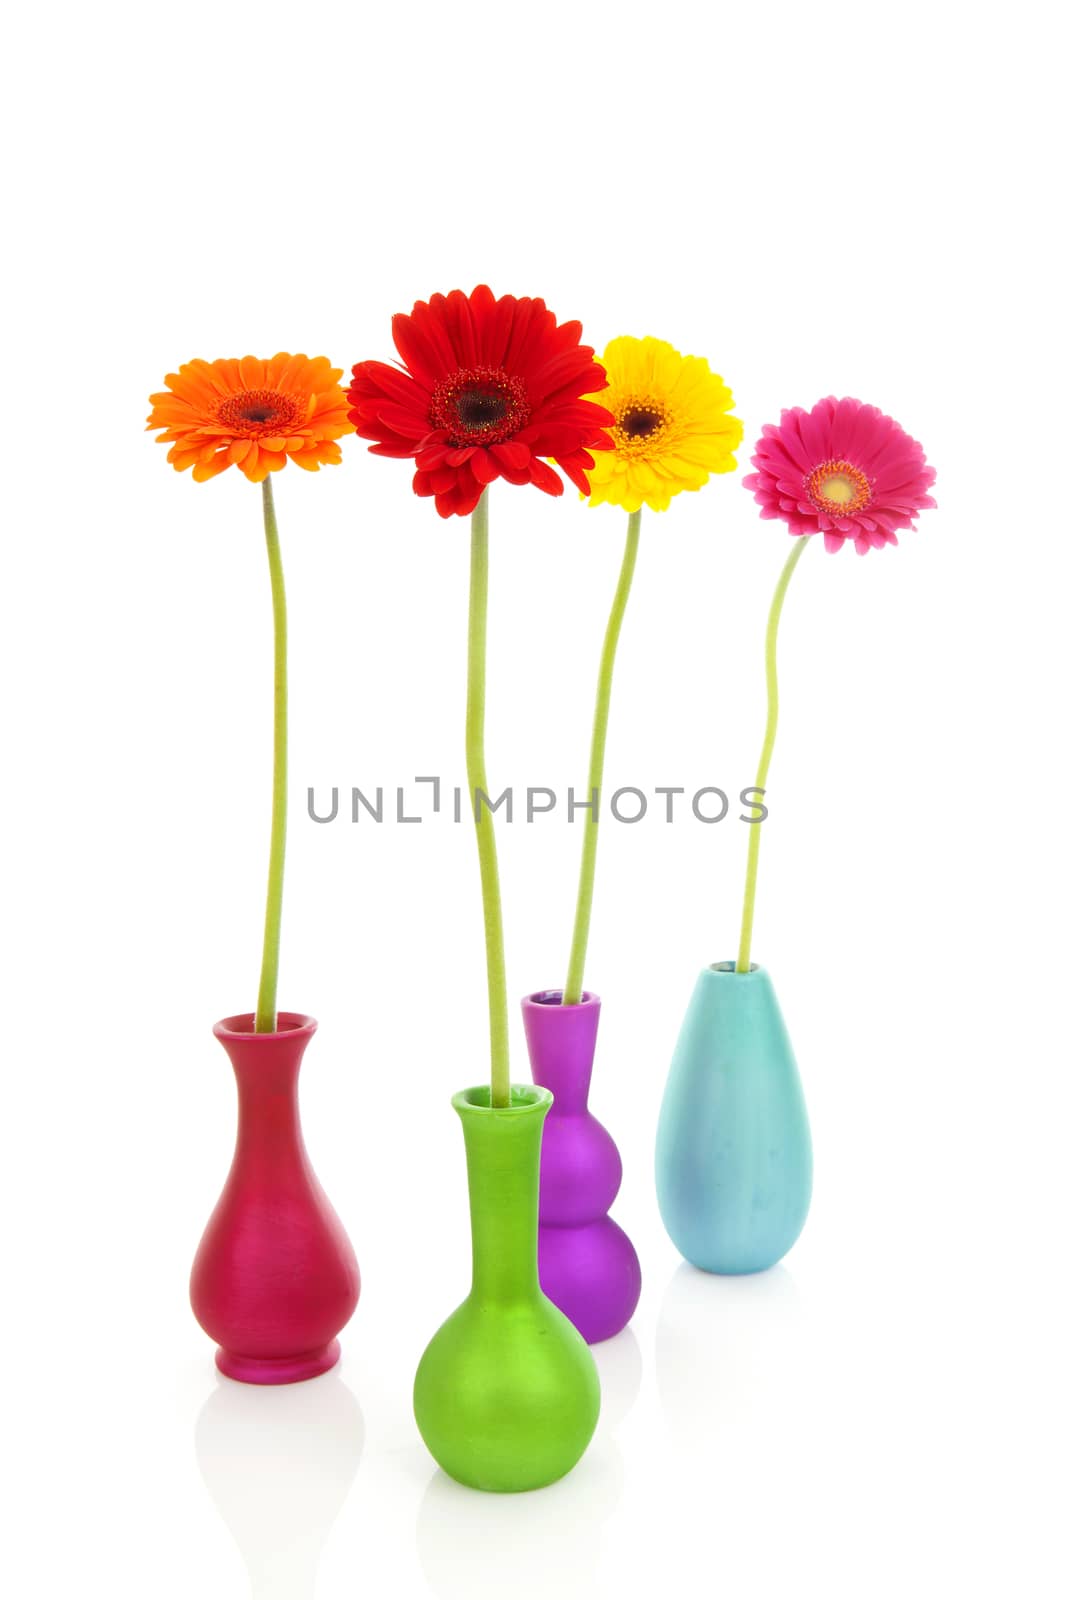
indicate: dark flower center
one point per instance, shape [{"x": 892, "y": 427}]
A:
[
  {"x": 479, "y": 408},
  {"x": 479, "y": 405},
  {"x": 259, "y": 411},
  {"x": 640, "y": 422}
]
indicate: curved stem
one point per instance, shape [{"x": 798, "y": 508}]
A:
[
  {"x": 756, "y": 828},
  {"x": 478, "y": 786},
  {"x": 266, "y": 1012},
  {"x": 572, "y": 992}
]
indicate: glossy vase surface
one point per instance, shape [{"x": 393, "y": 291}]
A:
[
  {"x": 506, "y": 1394},
  {"x": 733, "y": 1148},
  {"x": 275, "y": 1278},
  {"x": 588, "y": 1266}
]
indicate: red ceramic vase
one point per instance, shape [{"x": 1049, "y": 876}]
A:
[{"x": 275, "y": 1278}]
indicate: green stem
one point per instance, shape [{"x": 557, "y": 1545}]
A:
[
  {"x": 756, "y": 828},
  {"x": 478, "y": 786},
  {"x": 266, "y": 1006},
  {"x": 572, "y": 992}
]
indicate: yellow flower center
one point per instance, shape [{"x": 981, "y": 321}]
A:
[
  {"x": 259, "y": 411},
  {"x": 640, "y": 423},
  {"x": 479, "y": 405},
  {"x": 837, "y": 487}
]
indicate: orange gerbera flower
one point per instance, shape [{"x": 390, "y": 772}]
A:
[{"x": 252, "y": 414}]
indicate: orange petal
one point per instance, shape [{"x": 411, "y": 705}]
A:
[
  {"x": 210, "y": 469},
  {"x": 185, "y": 387},
  {"x": 226, "y": 377},
  {"x": 320, "y": 373},
  {"x": 256, "y": 470},
  {"x": 252, "y": 376},
  {"x": 282, "y": 369}
]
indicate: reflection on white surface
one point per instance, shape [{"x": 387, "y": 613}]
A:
[
  {"x": 278, "y": 1463},
  {"x": 725, "y": 1348},
  {"x": 619, "y": 1364},
  {"x": 545, "y": 1543}
]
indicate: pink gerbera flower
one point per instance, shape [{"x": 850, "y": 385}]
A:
[{"x": 844, "y": 470}]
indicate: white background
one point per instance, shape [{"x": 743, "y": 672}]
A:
[{"x": 829, "y": 198}]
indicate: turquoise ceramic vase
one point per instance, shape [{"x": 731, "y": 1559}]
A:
[
  {"x": 733, "y": 1149},
  {"x": 507, "y": 1394}
]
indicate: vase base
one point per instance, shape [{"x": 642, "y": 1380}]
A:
[
  {"x": 722, "y": 1269},
  {"x": 279, "y": 1369}
]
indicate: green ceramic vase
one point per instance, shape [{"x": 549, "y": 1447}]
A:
[{"x": 507, "y": 1394}]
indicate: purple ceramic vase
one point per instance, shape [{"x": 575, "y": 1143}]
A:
[{"x": 588, "y": 1266}]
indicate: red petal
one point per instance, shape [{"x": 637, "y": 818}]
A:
[
  {"x": 575, "y": 470},
  {"x": 484, "y": 468},
  {"x": 464, "y": 502},
  {"x": 542, "y": 476},
  {"x": 407, "y": 423},
  {"x": 373, "y": 380},
  {"x": 513, "y": 455},
  {"x": 423, "y": 344},
  {"x": 396, "y": 452},
  {"x": 463, "y": 333}
]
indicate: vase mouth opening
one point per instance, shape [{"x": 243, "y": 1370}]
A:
[
  {"x": 554, "y": 997},
  {"x": 525, "y": 1098},
  {"x": 286, "y": 1024},
  {"x": 731, "y": 968}
]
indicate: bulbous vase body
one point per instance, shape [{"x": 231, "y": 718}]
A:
[
  {"x": 588, "y": 1266},
  {"x": 275, "y": 1278},
  {"x": 733, "y": 1148},
  {"x": 506, "y": 1394}
]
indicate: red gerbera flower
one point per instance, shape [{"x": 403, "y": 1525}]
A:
[{"x": 487, "y": 389}]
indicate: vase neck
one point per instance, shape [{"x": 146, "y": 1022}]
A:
[
  {"x": 562, "y": 1042},
  {"x": 268, "y": 1106},
  {"x": 267, "y": 1072},
  {"x": 503, "y": 1175}
]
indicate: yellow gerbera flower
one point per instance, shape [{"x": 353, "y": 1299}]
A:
[{"x": 672, "y": 425}]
